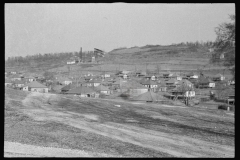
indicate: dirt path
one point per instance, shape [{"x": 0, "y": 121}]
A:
[
  {"x": 179, "y": 146},
  {"x": 14, "y": 149}
]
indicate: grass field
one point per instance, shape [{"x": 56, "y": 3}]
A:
[{"x": 131, "y": 130}]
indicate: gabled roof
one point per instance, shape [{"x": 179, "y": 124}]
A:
[
  {"x": 68, "y": 87},
  {"x": 203, "y": 80},
  {"x": 172, "y": 81},
  {"x": 19, "y": 82},
  {"x": 132, "y": 85},
  {"x": 148, "y": 82},
  {"x": 101, "y": 88},
  {"x": 218, "y": 75},
  {"x": 81, "y": 90},
  {"x": 57, "y": 87},
  {"x": 190, "y": 74},
  {"x": 185, "y": 81},
  {"x": 149, "y": 75},
  {"x": 95, "y": 81},
  {"x": 36, "y": 84},
  {"x": 149, "y": 96}
]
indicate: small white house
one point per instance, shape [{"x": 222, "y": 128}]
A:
[
  {"x": 106, "y": 75},
  {"x": 189, "y": 94},
  {"x": 211, "y": 84}
]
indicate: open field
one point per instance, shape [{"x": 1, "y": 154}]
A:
[{"x": 99, "y": 128}]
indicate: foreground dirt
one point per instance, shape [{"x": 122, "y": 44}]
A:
[
  {"x": 159, "y": 137},
  {"x": 14, "y": 149}
]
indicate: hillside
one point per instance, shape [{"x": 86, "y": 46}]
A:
[{"x": 179, "y": 58}]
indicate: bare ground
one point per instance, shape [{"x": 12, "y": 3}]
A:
[{"x": 162, "y": 130}]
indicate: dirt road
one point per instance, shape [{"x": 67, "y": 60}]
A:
[
  {"x": 36, "y": 107},
  {"x": 13, "y": 149}
]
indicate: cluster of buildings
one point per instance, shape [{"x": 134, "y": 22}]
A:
[{"x": 137, "y": 85}]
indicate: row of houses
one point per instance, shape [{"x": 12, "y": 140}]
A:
[{"x": 133, "y": 84}]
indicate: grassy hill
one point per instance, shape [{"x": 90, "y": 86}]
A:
[{"x": 179, "y": 58}]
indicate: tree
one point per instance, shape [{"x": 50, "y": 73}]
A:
[{"x": 225, "y": 44}]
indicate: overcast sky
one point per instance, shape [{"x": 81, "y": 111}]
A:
[{"x": 53, "y": 28}]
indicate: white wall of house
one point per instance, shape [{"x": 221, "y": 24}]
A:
[
  {"x": 179, "y": 78},
  {"x": 194, "y": 77},
  {"x": 153, "y": 86},
  {"x": 71, "y": 62},
  {"x": 106, "y": 92},
  {"x": 153, "y": 78},
  {"x": 31, "y": 79},
  {"x": 96, "y": 84},
  {"x": 67, "y": 82},
  {"x": 211, "y": 85},
  {"x": 190, "y": 94}
]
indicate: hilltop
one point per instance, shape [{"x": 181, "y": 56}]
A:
[{"x": 179, "y": 58}]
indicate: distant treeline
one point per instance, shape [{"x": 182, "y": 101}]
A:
[{"x": 47, "y": 58}]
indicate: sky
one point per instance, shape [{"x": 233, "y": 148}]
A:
[{"x": 65, "y": 27}]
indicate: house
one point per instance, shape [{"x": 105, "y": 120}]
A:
[
  {"x": 133, "y": 87},
  {"x": 167, "y": 75},
  {"x": 162, "y": 87},
  {"x": 125, "y": 72},
  {"x": 64, "y": 80},
  {"x": 149, "y": 84},
  {"x": 30, "y": 78},
  {"x": 185, "y": 82},
  {"x": 35, "y": 87},
  {"x": 192, "y": 75},
  {"x": 172, "y": 82},
  {"x": 102, "y": 89},
  {"x": 82, "y": 91},
  {"x": 8, "y": 82},
  {"x": 176, "y": 76},
  {"x": 73, "y": 60},
  {"x": 94, "y": 82},
  {"x": 105, "y": 75},
  {"x": 151, "y": 77},
  {"x": 218, "y": 77},
  {"x": 183, "y": 91},
  {"x": 68, "y": 87},
  {"x": 124, "y": 76},
  {"x": 19, "y": 83},
  {"x": 149, "y": 96},
  {"x": 204, "y": 82},
  {"x": 88, "y": 78},
  {"x": 13, "y": 72},
  {"x": 140, "y": 74},
  {"x": 15, "y": 77}
]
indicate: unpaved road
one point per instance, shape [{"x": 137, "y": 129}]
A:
[
  {"x": 174, "y": 144},
  {"x": 14, "y": 149}
]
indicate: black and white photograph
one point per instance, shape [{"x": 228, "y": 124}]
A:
[{"x": 119, "y": 80}]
